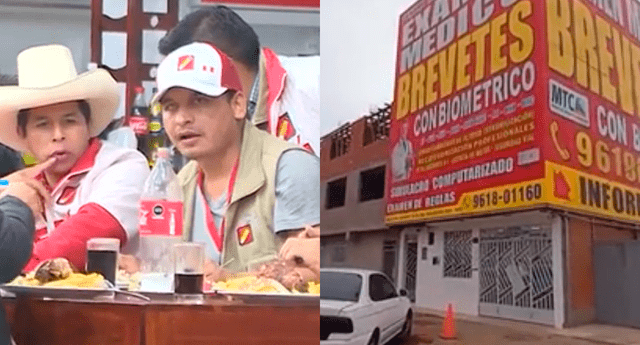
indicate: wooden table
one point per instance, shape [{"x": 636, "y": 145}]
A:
[{"x": 217, "y": 320}]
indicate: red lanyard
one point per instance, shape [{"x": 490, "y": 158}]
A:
[{"x": 217, "y": 234}]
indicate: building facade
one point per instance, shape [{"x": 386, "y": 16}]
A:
[
  {"x": 353, "y": 169},
  {"x": 513, "y": 181},
  {"x": 538, "y": 264}
]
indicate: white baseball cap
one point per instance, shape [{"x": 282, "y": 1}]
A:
[{"x": 199, "y": 67}]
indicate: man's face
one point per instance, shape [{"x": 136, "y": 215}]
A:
[
  {"x": 58, "y": 130},
  {"x": 199, "y": 125}
]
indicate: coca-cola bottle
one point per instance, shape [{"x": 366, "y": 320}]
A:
[
  {"x": 138, "y": 120},
  {"x": 160, "y": 225}
]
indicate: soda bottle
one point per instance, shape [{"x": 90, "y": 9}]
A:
[
  {"x": 157, "y": 137},
  {"x": 139, "y": 121},
  {"x": 160, "y": 225}
]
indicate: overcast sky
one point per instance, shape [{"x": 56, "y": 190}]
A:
[{"x": 357, "y": 47}]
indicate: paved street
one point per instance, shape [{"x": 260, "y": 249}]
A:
[{"x": 427, "y": 328}]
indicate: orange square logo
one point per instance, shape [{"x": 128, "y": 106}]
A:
[
  {"x": 245, "y": 235},
  {"x": 285, "y": 129},
  {"x": 185, "y": 63}
]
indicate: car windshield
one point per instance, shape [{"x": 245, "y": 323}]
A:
[{"x": 340, "y": 286}]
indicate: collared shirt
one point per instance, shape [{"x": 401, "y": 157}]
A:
[
  {"x": 253, "y": 97},
  {"x": 97, "y": 198},
  {"x": 297, "y": 200},
  {"x": 217, "y": 208}
]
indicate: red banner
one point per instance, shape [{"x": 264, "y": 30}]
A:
[
  {"x": 488, "y": 91},
  {"x": 593, "y": 61},
  {"x": 467, "y": 92}
]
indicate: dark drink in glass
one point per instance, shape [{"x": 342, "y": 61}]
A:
[
  {"x": 188, "y": 283},
  {"x": 189, "y": 271},
  {"x": 103, "y": 262},
  {"x": 102, "y": 257}
]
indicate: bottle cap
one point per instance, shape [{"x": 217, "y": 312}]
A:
[
  {"x": 139, "y": 89},
  {"x": 163, "y": 152}
]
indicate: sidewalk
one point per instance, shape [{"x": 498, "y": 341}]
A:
[{"x": 487, "y": 330}]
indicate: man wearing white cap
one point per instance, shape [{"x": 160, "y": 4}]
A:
[
  {"x": 55, "y": 115},
  {"x": 245, "y": 191},
  {"x": 282, "y": 92}
]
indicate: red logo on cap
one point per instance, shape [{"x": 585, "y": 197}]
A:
[
  {"x": 207, "y": 68},
  {"x": 185, "y": 63}
]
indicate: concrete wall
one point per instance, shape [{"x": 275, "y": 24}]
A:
[
  {"x": 288, "y": 33},
  {"x": 433, "y": 290},
  {"x": 363, "y": 250},
  {"x": 68, "y": 22},
  {"x": 24, "y": 27},
  {"x": 354, "y": 215},
  {"x": 582, "y": 236}
]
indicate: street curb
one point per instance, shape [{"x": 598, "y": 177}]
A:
[{"x": 511, "y": 324}]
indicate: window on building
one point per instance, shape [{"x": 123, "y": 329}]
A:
[
  {"x": 457, "y": 254},
  {"x": 336, "y": 193},
  {"x": 372, "y": 184},
  {"x": 339, "y": 253}
]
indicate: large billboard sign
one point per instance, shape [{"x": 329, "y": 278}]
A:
[{"x": 506, "y": 104}]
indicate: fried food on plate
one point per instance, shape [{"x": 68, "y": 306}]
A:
[
  {"x": 314, "y": 288},
  {"x": 295, "y": 278},
  {"x": 130, "y": 281},
  {"x": 59, "y": 273},
  {"x": 54, "y": 269},
  {"x": 250, "y": 283}
]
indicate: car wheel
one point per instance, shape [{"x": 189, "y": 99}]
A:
[
  {"x": 374, "y": 338},
  {"x": 407, "y": 327}
]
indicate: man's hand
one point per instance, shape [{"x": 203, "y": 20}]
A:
[
  {"x": 303, "y": 249},
  {"x": 32, "y": 193},
  {"x": 298, "y": 277},
  {"x": 128, "y": 263},
  {"x": 213, "y": 272},
  {"x": 30, "y": 173}
]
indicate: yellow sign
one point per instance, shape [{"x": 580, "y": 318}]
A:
[
  {"x": 517, "y": 195},
  {"x": 577, "y": 190}
]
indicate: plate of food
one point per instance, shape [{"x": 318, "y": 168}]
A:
[
  {"x": 275, "y": 279},
  {"x": 57, "y": 278}
]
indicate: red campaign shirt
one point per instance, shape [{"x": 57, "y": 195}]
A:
[
  {"x": 71, "y": 233},
  {"x": 69, "y": 240}
]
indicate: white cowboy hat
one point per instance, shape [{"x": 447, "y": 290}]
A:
[{"x": 46, "y": 76}]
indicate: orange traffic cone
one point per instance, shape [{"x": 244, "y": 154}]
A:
[{"x": 448, "y": 325}]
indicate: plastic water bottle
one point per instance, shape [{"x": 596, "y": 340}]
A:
[{"x": 160, "y": 225}]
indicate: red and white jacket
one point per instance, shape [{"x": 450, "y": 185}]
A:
[
  {"x": 293, "y": 103},
  {"x": 97, "y": 198}
]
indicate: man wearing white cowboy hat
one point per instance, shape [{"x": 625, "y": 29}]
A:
[
  {"x": 245, "y": 192},
  {"x": 56, "y": 114}
]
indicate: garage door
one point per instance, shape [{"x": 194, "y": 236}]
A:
[{"x": 516, "y": 275}]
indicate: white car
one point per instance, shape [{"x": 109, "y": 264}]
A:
[{"x": 361, "y": 307}]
